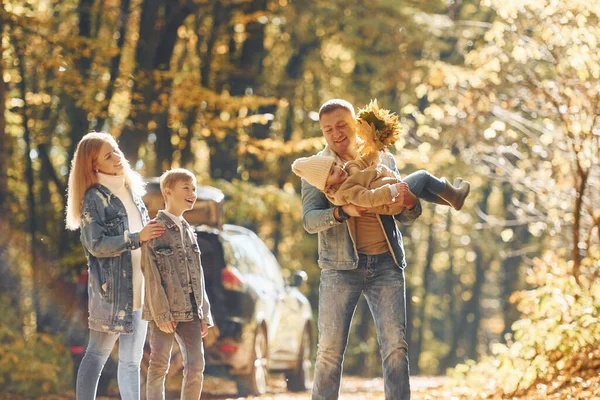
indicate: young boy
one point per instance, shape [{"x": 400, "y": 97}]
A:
[
  {"x": 176, "y": 303},
  {"x": 366, "y": 183}
]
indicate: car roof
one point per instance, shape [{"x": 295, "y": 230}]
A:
[
  {"x": 228, "y": 229},
  {"x": 236, "y": 229}
]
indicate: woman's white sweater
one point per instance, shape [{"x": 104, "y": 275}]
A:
[{"x": 116, "y": 184}]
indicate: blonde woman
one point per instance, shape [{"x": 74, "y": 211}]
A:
[{"x": 104, "y": 201}]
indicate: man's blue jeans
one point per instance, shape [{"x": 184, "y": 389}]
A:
[
  {"x": 131, "y": 350},
  {"x": 382, "y": 283}
]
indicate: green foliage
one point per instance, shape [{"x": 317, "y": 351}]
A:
[
  {"x": 553, "y": 341},
  {"x": 33, "y": 366},
  {"x": 276, "y": 216},
  {"x": 501, "y": 93}
]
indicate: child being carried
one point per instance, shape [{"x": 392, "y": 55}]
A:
[{"x": 366, "y": 182}]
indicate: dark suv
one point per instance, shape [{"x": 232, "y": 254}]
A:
[{"x": 263, "y": 323}]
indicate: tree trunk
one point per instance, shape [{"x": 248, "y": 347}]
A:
[
  {"x": 581, "y": 179},
  {"x": 449, "y": 361},
  {"x": 474, "y": 309},
  {"x": 422, "y": 310},
  {"x": 78, "y": 117},
  {"x": 4, "y": 148},
  {"x": 470, "y": 307},
  {"x": 294, "y": 70},
  {"x": 244, "y": 79},
  {"x": 510, "y": 266},
  {"x": 29, "y": 178},
  {"x": 115, "y": 64},
  {"x": 159, "y": 23}
]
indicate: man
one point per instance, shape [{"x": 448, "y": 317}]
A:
[{"x": 358, "y": 253}]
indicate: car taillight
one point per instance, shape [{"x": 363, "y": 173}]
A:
[
  {"x": 232, "y": 279},
  {"x": 77, "y": 349},
  {"x": 225, "y": 348}
]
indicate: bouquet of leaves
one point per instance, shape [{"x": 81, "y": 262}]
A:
[{"x": 377, "y": 128}]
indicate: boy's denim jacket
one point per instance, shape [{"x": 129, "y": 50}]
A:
[
  {"x": 164, "y": 264},
  {"x": 107, "y": 244},
  {"x": 337, "y": 246}
]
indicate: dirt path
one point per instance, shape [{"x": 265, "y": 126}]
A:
[{"x": 353, "y": 388}]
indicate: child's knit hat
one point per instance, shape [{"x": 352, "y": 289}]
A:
[{"x": 314, "y": 169}]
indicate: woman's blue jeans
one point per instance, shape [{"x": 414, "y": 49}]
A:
[
  {"x": 131, "y": 350},
  {"x": 382, "y": 283}
]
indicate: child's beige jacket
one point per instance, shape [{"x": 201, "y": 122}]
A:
[{"x": 368, "y": 185}]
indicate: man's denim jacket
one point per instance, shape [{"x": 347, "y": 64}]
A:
[
  {"x": 337, "y": 247},
  {"x": 107, "y": 244},
  {"x": 165, "y": 262}
]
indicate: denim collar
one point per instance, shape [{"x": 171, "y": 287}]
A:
[
  {"x": 165, "y": 220},
  {"x": 168, "y": 221},
  {"x": 104, "y": 190},
  {"x": 329, "y": 153}
]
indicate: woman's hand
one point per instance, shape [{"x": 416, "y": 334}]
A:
[{"x": 151, "y": 231}]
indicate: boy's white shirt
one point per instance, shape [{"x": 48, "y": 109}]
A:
[{"x": 179, "y": 222}]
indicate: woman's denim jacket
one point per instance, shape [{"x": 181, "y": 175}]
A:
[
  {"x": 107, "y": 244},
  {"x": 337, "y": 247},
  {"x": 165, "y": 262}
]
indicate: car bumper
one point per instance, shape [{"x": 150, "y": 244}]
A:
[{"x": 231, "y": 348}]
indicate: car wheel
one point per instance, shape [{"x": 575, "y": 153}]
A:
[
  {"x": 255, "y": 383},
  {"x": 298, "y": 379}
]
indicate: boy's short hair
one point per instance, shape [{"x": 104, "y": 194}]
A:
[
  {"x": 169, "y": 178},
  {"x": 334, "y": 104}
]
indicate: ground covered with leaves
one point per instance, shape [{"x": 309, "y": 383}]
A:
[{"x": 585, "y": 386}]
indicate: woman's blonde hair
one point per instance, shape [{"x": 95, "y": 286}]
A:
[{"x": 83, "y": 176}]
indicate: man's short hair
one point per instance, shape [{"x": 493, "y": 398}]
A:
[
  {"x": 170, "y": 178},
  {"x": 334, "y": 104}
]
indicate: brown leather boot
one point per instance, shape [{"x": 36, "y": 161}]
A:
[
  {"x": 441, "y": 202},
  {"x": 456, "y": 196}
]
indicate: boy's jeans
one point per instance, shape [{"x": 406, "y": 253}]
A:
[
  {"x": 131, "y": 350},
  {"x": 382, "y": 283},
  {"x": 189, "y": 337}
]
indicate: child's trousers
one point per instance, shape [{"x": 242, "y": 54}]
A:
[
  {"x": 424, "y": 185},
  {"x": 189, "y": 337}
]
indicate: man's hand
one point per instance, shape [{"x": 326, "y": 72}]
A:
[
  {"x": 354, "y": 211},
  {"x": 204, "y": 330},
  {"x": 167, "y": 327},
  {"x": 405, "y": 196}
]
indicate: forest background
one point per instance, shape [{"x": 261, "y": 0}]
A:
[{"x": 500, "y": 92}]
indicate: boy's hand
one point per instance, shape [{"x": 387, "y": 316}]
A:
[
  {"x": 204, "y": 330},
  {"x": 167, "y": 327}
]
